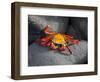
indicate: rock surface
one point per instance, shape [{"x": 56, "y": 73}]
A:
[{"x": 41, "y": 56}]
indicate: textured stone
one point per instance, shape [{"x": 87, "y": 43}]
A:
[{"x": 40, "y": 56}]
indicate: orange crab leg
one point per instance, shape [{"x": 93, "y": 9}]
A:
[
  {"x": 46, "y": 39},
  {"x": 75, "y": 41},
  {"x": 71, "y": 39},
  {"x": 47, "y": 31},
  {"x": 68, "y": 36}
]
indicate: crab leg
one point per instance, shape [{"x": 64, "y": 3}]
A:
[
  {"x": 47, "y": 30},
  {"x": 69, "y": 50}
]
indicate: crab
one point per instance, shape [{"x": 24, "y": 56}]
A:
[{"x": 56, "y": 41}]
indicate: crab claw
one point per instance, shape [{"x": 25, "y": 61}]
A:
[{"x": 53, "y": 46}]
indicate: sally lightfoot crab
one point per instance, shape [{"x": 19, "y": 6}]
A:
[{"x": 57, "y": 41}]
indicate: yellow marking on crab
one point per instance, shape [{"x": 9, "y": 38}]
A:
[{"x": 59, "y": 39}]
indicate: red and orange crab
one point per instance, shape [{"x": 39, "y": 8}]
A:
[{"x": 56, "y": 41}]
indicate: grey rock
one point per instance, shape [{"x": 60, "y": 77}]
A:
[{"x": 42, "y": 56}]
